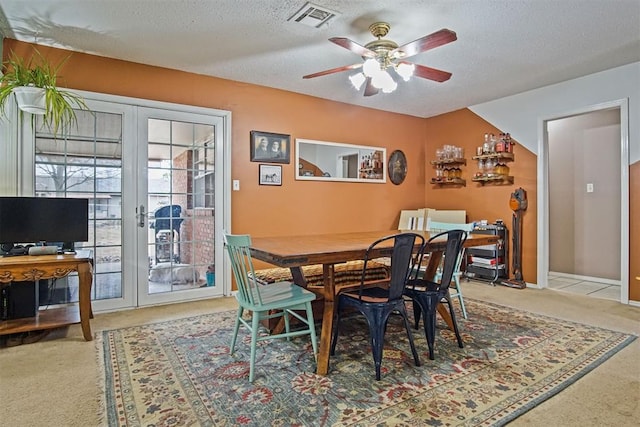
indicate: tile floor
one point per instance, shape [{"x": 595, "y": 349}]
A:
[{"x": 584, "y": 287}]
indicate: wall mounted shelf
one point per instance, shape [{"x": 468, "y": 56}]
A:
[
  {"x": 447, "y": 168},
  {"x": 449, "y": 162},
  {"x": 498, "y": 172},
  {"x": 497, "y": 179},
  {"x": 449, "y": 181},
  {"x": 507, "y": 157}
]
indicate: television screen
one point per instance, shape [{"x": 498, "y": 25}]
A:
[{"x": 43, "y": 219}]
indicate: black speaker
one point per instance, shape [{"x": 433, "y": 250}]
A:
[
  {"x": 21, "y": 300},
  {"x": 68, "y": 247},
  {"x": 4, "y": 302}
]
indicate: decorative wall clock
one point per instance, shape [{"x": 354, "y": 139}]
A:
[{"x": 397, "y": 167}]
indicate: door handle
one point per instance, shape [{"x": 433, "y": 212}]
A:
[{"x": 141, "y": 215}]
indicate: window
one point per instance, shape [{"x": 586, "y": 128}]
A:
[{"x": 203, "y": 176}]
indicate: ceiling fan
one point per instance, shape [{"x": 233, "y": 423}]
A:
[{"x": 381, "y": 55}]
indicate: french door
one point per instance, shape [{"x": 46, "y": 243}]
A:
[
  {"x": 180, "y": 157},
  {"x": 156, "y": 177}
]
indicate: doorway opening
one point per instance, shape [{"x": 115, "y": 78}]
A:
[{"x": 583, "y": 199}]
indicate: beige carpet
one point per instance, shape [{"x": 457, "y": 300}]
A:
[{"x": 55, "y": 381}]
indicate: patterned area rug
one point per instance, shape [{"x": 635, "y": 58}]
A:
[{"x": 180, "y": 373}]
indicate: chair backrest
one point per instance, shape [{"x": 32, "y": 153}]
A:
[
  {"x": 438, "y": 227},
  {"x": 455, "y": 242},
  {"x": 242, "y": 265},
  {"x": 406, "y": 252}
]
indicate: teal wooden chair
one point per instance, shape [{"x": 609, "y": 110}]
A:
[
  {"x": 280, "y": 299},
  {"x": 456, "y": 289}
]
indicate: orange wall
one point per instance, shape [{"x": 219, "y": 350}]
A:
[
  {"x": 302, "y": 207},
  {"x": 296, "y": 207},
  {"x": 465, "y": 129}
]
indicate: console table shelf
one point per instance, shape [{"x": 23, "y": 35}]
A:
[{"x": 45, "y": 319}]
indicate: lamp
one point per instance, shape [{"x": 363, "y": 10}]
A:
[
  {"x": 405, "y": 70},
  {"x": 357, "y": 80},
  {"x": 376, "y": 70},
  {"x": 382, "y": 80},
  {"x": 370, "y": 67}
]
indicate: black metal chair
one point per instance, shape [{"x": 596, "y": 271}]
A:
[
  {"x": 427, "y": 294},
  {"x": 377, "y": 303}
]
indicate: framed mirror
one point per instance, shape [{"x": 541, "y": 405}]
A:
[{"x": 333, "y": 161}]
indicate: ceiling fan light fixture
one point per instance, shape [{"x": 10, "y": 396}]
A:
[
  {"x": 371, "y": 67},
  {"x": 390, "y": 87},
  {"x": 357, "y": 80},
  {"x": 381, "y": 54},
  {"x": 382, "y": 80},
  {"x": 405, "y": 70}
]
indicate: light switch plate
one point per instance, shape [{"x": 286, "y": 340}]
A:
[
  {"x": 589, "y": 187},
  {"x": 236, "y": 185}
]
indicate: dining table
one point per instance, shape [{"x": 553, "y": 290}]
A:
[{"x": 295, "y": 251}]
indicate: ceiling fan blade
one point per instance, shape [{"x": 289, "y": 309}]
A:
[
  {"x": 425, "y": 43},
  {"x": 333, "y": 70},
  {"x": 353, "y": 47},
  {"x": 430, "y": 73},
  {"x": 370, "y": 89}
]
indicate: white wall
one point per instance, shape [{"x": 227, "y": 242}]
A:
[
  {"x": 519, "y": 114},
  {"x": 584, "y": 227}
]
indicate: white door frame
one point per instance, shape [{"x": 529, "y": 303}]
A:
[
  {"x": 20, "y": 173},
  {"x": 543, "y": 192},
  {"x": 187, "y": 115}
]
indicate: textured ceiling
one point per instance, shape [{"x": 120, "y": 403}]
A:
[{"x": 504, "y": 46}]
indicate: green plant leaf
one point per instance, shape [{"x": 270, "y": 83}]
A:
[{"x": 39, "y": 72}]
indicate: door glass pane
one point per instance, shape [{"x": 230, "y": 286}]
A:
[
  {"x": 180, "y": 188},
  {"x": 86, "y": 162}
]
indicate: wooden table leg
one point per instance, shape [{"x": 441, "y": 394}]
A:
[
  {"x": 327, "y": 319},
  {"x": 298, "y": 276},
  {"x": 84, "y": 298}
]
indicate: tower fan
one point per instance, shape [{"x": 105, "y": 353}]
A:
[{"x": 518, "y": 204}]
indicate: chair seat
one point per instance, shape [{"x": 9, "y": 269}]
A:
[
  {"x": 370, "y": 295},
  {"x": 421, "y": 285},
  {"x": 284, "y": 295}
]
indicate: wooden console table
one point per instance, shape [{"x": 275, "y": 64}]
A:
[{"x": 28, "y": 268}]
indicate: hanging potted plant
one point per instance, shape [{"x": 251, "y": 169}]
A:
[{"x": 33, "y": 83}]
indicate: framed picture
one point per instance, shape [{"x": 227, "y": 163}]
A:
[
  {"x": 270, "y": 175},
  {"x": 270, "y": 147},
  {"x": 397, "y": 167}
]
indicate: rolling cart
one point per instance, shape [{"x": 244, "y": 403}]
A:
[{"x": 490, "y": 262}]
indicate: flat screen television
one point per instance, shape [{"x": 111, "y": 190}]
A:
[{"x": 48, "y": 220}]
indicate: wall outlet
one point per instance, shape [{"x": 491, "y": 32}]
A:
[
  {"x": 589, "y": 187},
  {"x": 236, "y": 185}
]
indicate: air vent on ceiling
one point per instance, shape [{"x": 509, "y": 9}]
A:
[{"x": 314, "y": 16}]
